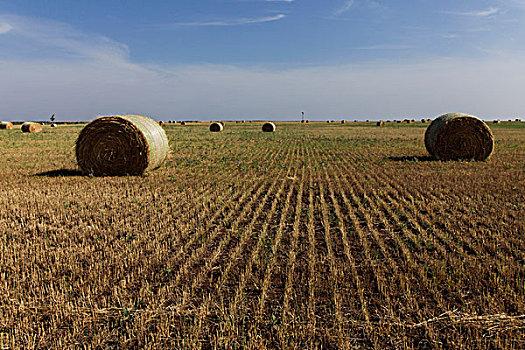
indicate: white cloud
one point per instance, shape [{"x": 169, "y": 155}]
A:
[
  {"x": 483, "y": 13},
  {"x": 386, "y": 47},
  {"x": 344, "y": 8},
  {"x": 231, "y": 22},
  {"x": 89, "y": 75},
  {"x": 5, "y": 28}
]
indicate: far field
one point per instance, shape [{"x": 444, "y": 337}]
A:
[{"x": 317, "y": 236}]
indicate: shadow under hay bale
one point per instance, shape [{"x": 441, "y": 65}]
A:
[
  {"x": 31, "y": 127},
  {"x": 121, "y": 145},
  {"x": 6, "y": 125},
  {"x": 216, "y": 127},
  {"x": 413, "y": 159},
  {"x": 268, "y": 127},
  {"x": 457, "y": 136},
  {"x": 60, "y": 173}
]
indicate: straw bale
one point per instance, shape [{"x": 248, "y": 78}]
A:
[
  {"x": 121, "y": 145},
  {"x": 457, "y": 136}
]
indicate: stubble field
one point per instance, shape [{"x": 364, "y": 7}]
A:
[{"x": 317, "y": 236}]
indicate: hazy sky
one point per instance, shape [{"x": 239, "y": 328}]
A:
[{"x": 261, "y": 59}]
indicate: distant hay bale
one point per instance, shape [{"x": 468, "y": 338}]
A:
[
  {"x": 343, "y": 121},
  {"x": 31, "y": 127},
  {"x": 6, "y": 125},
  {"x": 380, "y": 123},
  {"x": 457, "y": 136},
  {"x": 53, "y": 125},
  {"x": 518, "y": 120},
  {"x": 182, "y": 123},
  {"x": 121, "y": 145},
  {"x": 307, "y": 121},
  {"x": 303, "y": 121},
  {"x": 216, "y": 127},
  {"x": 497, "y": 121},
  {"x": 268, "y": 127},
  {"x": 423, "y": 121}
]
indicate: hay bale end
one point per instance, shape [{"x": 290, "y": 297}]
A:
[{"x": 268, "y": 127}]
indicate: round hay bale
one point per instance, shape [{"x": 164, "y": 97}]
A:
[
  {"x": 216, "y": 127},
  {"x": 53, "y": 125},
  {"x": 182, "y": 123},
  {"x": 343, "y": 121},
  {"x": 518, "y": 120},
  {"x": 6, "y": 125},
  {"x": 268, "y": 127},
  {"x": 380, "y": 123},
  {"x": 457, "y": 136},
  {"x": 307, "y": 121},
  {"x": 497, "y": 121},
  {"x": 121, "y": 145},
  {"x": 31, "y": 127}
]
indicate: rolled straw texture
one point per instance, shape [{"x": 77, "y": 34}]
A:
[
  {"x": 121, "y": 145},
  {"x": 216, "y": 127},
  {"x": 457, "y": 136},
  {"x": 6, "y": 125},
  {"x": 31, "y": 127},
  {"x": 268, "y": 127}
]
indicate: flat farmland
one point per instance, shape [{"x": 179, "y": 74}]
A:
[{"x": 316, "y": 236}]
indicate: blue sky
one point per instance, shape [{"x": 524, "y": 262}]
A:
[{"x": 261, "y": 59}]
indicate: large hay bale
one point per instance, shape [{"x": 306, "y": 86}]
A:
[
  {"x": 343, "y": 121},
  {"x": 216, "y": 127},
  {"x": 497, "y": 121},
  {"x": 6, "y": 125},
  {"x": 31, "y": 127},
  {"x": 380, "y": 123},
  {"x": 457, "y": 136},
  {"x": 121, "y": 145},
  {"x": 268, "y": 127},
  {"x": 53, "y": 125},
  {"x": 182, "y": 123}
]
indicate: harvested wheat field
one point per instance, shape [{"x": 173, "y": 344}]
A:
[{"x": 320, "y": 236}]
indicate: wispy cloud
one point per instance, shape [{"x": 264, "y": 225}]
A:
[
  {"x": 5, "y": 28},
  {"x": 483, "y": 13},
  {"x": 230, "y": 22},
  {"x": 386, "y": 47},
  {"x": 107, "y": 81},
  {"x": 344, "y": 8},
  {"x": 279, "y": 0}
]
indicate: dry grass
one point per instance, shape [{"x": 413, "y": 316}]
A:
[{"x": 318, "y": 237}]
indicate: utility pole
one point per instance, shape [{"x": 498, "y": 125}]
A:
[{"x": 302, "y": 116}]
